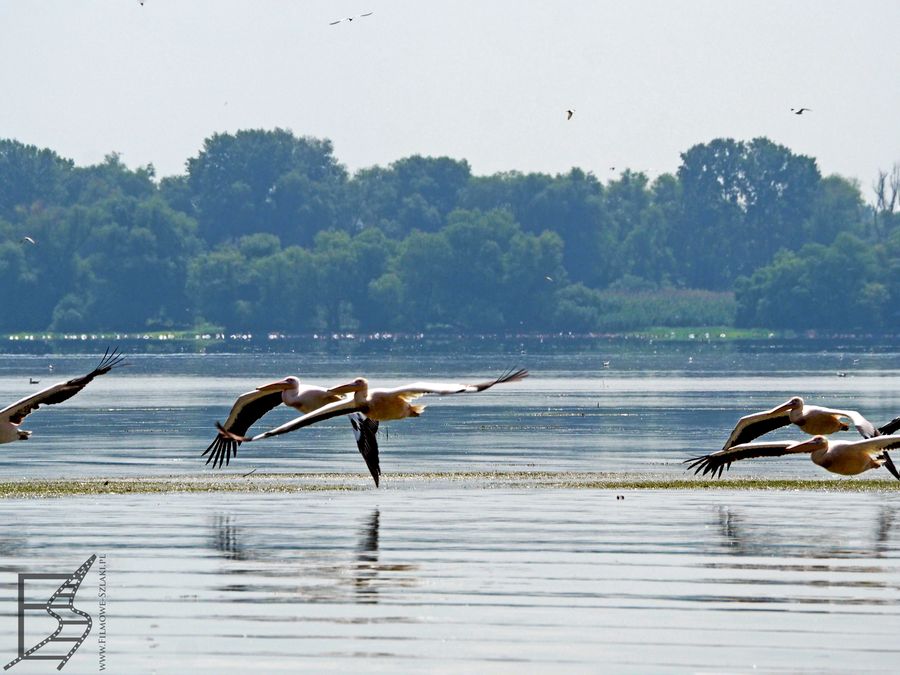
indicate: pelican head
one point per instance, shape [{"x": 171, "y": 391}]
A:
[
  {"x": 795, "y": 403},
  {"x": 359, "y": 384},
  {"x": 286, "y": 384},
  {"x": 814, "y": 444}
]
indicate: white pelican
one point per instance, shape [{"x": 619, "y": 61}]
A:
[
  {"x": 810, "y": 418},
  {"x": 380, "y": 405},
  {"x": 844, "y": 457},
  {"x": 11, "y": 416},
  {"x": 252, "y": 406}
]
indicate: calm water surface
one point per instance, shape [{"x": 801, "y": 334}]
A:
[
  {"x": 431, "y": 577},
  {"x": 475, "y": 580}
]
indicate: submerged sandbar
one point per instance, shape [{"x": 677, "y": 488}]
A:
[{"x": 336, "y": 482}]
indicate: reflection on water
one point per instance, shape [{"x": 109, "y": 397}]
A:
[
  {"x": 328, "y": 572},
  {"x": 477, "y": 580}
]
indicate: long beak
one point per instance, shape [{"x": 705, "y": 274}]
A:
[
  {"x": 787, "y": 407},
  {"x": 348, "y": 388},
  {"x": 281, "y": 385}
]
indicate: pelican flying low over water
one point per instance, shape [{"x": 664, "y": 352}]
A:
[
  {"x": 844, "y": 457},
  {"x": 249, "y": 408},
  {"x": 11, "y": 416},
  {"x": 380, "y": 405},
  {"x": 810, "y": 418}
]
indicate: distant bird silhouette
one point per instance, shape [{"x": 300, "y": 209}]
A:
[
  {"x": 350, "y": 18},
  {"x": 28, "y": 240},
  {"x": 31, "y": 380},
  {"x": 569, "y": 114},
  {"x": 800, "y": 111}
]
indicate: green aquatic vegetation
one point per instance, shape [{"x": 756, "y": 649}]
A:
[{"x": 486, "y": 480}]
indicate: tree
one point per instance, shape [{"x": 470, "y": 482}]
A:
[
  {"x": 265, "y": 181},
  {"x": 30, "y": 177}
]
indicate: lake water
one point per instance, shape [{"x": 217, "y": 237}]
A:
[
  {"x": 645, "y": 412},
  {"x": 428, "y": 576}
]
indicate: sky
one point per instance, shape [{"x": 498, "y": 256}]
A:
[{"x": 488, "y": 81}]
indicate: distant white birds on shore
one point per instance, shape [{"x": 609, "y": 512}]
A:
[
  {"x": 800, "y": 111},
  {"x": 351, "y": 18}
]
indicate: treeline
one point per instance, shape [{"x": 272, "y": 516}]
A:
[{"x": 268, "y": 231}]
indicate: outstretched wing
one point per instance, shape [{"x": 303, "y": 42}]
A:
[
  {"x": 365, "y": 430},
  {"x": 753, "y": 426},
  {"x": 717, "y": 462},
  {"x": 417, "y": 389},
  {"x": 62, "y": 391},
  {"x": 247, "y": 410},
  {"x": 890, "y": 427},
  {"x": 326, "y": 412},
  {"x": 865, "y": 428}
]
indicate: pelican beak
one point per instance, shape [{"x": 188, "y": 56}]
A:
[
  {"x": 348, "y": 388},
  {"x": 281, "y": 385},
  {"x": 787, "y": 407}
]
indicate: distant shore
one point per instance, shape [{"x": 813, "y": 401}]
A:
[{"x": 194, "y": 341}]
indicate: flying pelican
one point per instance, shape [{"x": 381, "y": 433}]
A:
[
  {"x": 11, "y": 416},
  {"x": 844, "y": 457},
  {"x": 800, "y": 111},
  {"x": 252, "y": 406},
  {"x": 28, "y": 240},
  {"x": 569, "y": 114},
  {"x": 381, "y": 405},
  {"x": 810, "y": 418}
]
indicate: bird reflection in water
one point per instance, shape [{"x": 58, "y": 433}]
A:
[
  {"x": 315, "y": 573},
  {"x": 756, "y": 537}
]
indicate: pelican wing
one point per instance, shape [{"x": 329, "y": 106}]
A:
[
  {"x": 865, "y": 428},
  {"x": 890, "y": 427},
  {"x": 717, "y": 462},
  {"x": 417, "y": 389},
  {"x": 878, "y": 443},
  {"x": 753, "y": 426},
  {"x": 62, "y": 391},
  {"x": 365, "y": 430},
  {"x": 326, "y": 412},
  {"x": 247, "y": 410}
]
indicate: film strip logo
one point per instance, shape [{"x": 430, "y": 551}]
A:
[{"x": 60, "y": 606}]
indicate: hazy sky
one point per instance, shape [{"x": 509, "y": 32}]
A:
[{"x": 484, "y": 80}]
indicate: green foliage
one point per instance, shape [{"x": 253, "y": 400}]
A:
[{"x": 266, "y": 231}]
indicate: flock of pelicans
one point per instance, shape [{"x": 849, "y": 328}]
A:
[{"x": 366, "y": 407}]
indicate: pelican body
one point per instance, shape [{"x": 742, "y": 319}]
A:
[
  {"x": 847, "y": 458},
  {"x": 13, "y": 415},
  {"x": 812, "y": 419}
]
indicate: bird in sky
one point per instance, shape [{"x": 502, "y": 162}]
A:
[
  {"x": 350, "y": 18},
  {"x": 569, "y": 114},
  {"x": 28, "y": 240},
  {"x": 800, "y": 111}
]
